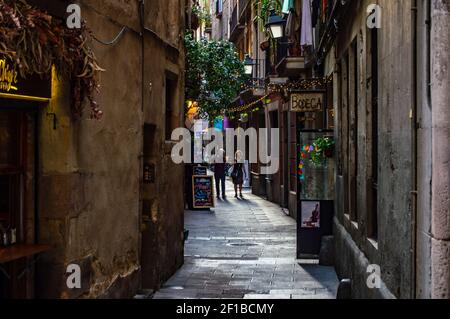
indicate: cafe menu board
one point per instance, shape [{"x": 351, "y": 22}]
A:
[
  {"x": 200, "y": 170},
  {"x": 203, "y": 196}
]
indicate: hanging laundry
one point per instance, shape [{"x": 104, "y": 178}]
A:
[
  {"x": 290, "y": 25},
  {"x": 324, "y": 10},
  {"x": 287, "y": 6},
  {"x": 315, "y": 12},
  {"x": 306, "y": 37},
  {"x": 330, "y": 7}
]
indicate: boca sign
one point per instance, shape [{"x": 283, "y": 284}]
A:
[
  {"x": 307, "y": 101},
  {"x": 13, "y": 86},
  {"x": 8, "y": 77}
]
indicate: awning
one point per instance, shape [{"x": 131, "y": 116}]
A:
[{"x": 18, "y": 251}]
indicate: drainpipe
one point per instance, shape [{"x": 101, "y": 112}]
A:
[{"x": 440, "y": 197}]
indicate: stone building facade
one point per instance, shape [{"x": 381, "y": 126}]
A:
[
  {"x": 390, "y": 100},
  {"x": 92, "y": 205},
  {"x": 387, "y": 104}
]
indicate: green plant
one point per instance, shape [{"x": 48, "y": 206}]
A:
[
  {"x": 264, "y": 6},
  {"x": 35, "y": 42},
  {"x": 214, "y": 75},
  {"x": 321, "y": 149}
]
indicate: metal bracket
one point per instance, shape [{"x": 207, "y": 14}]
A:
[{"x": 53, "y": 115}]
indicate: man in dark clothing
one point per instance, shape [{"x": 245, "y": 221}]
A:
[{"x": 219, "y": 173}]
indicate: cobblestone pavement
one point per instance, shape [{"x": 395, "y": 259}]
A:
[{"x": 245, "y": 249}]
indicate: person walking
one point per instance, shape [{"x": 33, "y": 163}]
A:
[
  {"x": 219, "y": 173},
  {"x": 238, "y": 174}
]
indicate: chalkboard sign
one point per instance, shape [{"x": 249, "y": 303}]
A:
[
  {"x": 203, "y": 196},
  {"x": 200, "y": 171}
]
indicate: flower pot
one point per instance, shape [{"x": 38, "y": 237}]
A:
[
  {"x": 264, "y": 45},
  {"x": 294, "y": 52}
]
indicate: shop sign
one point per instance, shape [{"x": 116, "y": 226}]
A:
[
  {"x": 307, "y": 102},
  {"x": 12, "y": 85}
]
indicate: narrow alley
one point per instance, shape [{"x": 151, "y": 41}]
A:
[
  {"x": 118, "y": 119},
  {"x": 245, "y": 249}
]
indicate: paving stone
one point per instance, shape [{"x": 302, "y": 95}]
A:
[{"x": 245, "y": 249}]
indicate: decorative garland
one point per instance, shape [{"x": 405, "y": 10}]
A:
[
  {"x": 246, "y": 106},
  {"x": 304, "y": 84},
  {"x": 35, "y": 41}
]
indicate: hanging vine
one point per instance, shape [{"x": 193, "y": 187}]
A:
[{"x": 35, "y": 41}]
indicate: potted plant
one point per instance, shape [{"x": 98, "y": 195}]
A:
[
  {"x": 321, "y": 149},
  {"x": 295, "y": 51},
  {"x": 265, "y": 45}
]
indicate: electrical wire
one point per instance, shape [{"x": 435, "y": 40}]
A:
[{"x": 115, "y": 40}]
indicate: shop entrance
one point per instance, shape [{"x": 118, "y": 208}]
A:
[
  {"x": 18, "y": 248},
  {"x": 13, "y": 154}
]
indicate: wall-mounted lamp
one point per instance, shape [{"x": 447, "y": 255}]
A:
[
  {"x": 248, "y": 65},
  {"x": 275, "y": 25}
]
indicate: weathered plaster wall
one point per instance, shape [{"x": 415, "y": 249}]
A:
[
  {"x": 91, "y": 171},
  {"x": 392, "y": 251},
  {"x": 424, "y": 168},
  {"x": 164, "y": 198}
]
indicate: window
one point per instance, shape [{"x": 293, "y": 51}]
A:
[
  {"x": 171, "y": 92},
  {"x": 372, "y": 81},
  {"x": 345, "y": 129},
  {"x": 348, "y": 131},
  {"x": 353, "y": 130}
]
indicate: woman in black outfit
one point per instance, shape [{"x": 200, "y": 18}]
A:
[{"x": 238, "y": 174}]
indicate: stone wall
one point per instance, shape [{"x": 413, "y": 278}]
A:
[
  {"x": 392, "y": 250},
  {"x": 91, "y": 192},
  {"x": 221, "y": 25}
]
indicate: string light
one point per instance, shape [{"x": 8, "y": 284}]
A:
[
  {"x": 245, "y": 107},
  {"x": 303, "y": 84}
]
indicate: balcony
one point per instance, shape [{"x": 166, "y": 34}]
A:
[
  {"x": 286, "y": 60},
  {"x": 291, "y": 66},
  {"x": 243, "y": 5}
]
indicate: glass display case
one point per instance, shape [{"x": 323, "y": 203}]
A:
[
  {"x": 316, "y": 171},
  {"x": 316, "y": 185}
]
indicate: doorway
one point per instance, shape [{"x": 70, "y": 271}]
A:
[{"x": 16, "y": 199}]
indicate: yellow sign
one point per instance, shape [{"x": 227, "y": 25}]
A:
[
  {"x": 8, "y": 77},
  {"x": 307, "y": 102}
]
